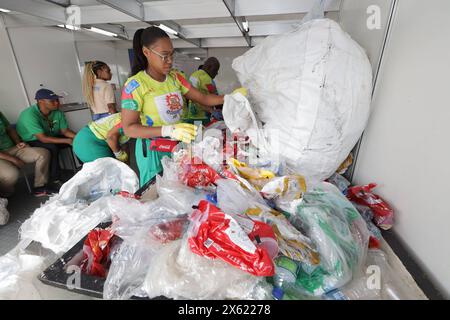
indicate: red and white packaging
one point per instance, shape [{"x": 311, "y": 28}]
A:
[
  {"x": 382, "y": 212},
  {"x": 96, "y": 249},
  {"x": 215, "y": 234},
  {"x": 197, "y": 174}
]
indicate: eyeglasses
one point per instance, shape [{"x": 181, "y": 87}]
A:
[{"x": 166, "y": 57}]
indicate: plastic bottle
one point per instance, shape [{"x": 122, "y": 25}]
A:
[
  {"x": 285, "y": 276},
  {"x": 391, "y": 287},
  {"x": 357, "y": 289}
]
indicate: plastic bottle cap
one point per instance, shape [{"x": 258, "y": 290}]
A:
[{"x": 278, "y": 293}]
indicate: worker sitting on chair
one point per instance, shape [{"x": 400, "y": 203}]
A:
[
  {"x": 14, "y": 154},
  {"x": 43, "y": 125}
]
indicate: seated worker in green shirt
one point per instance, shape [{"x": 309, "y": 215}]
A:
[
  {"x": 14, "y": 154},
  {"x": 101, "y": 139},
  {"x": 202, "y": 80},
  {"x": 43, "y": 125}
]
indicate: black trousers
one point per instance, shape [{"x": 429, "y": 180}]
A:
[{"x": 54, "y": 149}]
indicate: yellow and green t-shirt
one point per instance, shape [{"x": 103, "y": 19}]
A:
[
  {"x": 101, "y": 127},
  {"x": 5, "y": 141},
  {"x": 159, "y": 103},
  {"x": 203, "y": 82}
]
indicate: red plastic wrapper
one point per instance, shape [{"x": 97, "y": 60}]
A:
[
  {"x": 169, "y": 231},
  {"x": 218, "y": 235},
  {"x": 96, "y": 251},
  {"x": 197, "y": 174},
  {"x": 126, "y": 194},
  {"x": 383, "y": 213},
  {"x": 374, "y": 243}
]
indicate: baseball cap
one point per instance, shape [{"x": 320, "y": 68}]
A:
[{"x": 46, "y": 94}]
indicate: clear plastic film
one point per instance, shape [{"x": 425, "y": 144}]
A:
[
  {"x": 58, "y": 226},
  {"x": 340, "y": 235},
  {"x": 129, "y": 266},
  {"x": 178, "y": 273}
]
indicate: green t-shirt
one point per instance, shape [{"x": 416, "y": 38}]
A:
[
  {"x": 32, "y": 122},
  {"x": 5, "y": 140}
]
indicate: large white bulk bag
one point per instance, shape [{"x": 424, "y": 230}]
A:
[{"x": 313, "y": 87}]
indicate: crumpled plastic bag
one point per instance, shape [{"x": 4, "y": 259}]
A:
[
  {"x": 80, "y": 206},
  {"x": 340, "y": 235},
  {"x": 340, "y": 182},
  {"x": 383, "y": 213},
  {"x": 215, "y": 234},
  {"x": 286, "y": 191},
  {"x": 96, "y": 250},
  {"x": 375, "y": 234},
  {"x": 234, "y": 199},
  {"x": 258, "y": 177},
  {"x": 145, "y": 228},
  {"x": 129, "y": 266},
  {"x": 98, "y": 178},
  {"x": 193, "y": 172},
  {"x": 314, "y": 101},
  {"x": 178, "y": 273},
  {"x": 58, "y": 226}
]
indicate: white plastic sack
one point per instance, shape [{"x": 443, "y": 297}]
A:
[
  {"x": 178, "y": 273},
  {"x": 99, "y": 178},
  {"x": 59, "y": 227},
  {"x": 311, "y": 88},
  {"x": 67, "y": 217}
]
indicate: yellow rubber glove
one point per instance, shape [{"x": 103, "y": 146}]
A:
[
  {"x": 241, "y": 90},
  {"x": 121, "y": 156},
  {"x": 184, "y": 132}
]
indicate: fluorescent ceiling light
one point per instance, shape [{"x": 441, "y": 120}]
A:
[
  {"x": 104, "y": 32},
  {"x": 197, "y": 58},
  {"x": 167, "y": 29},
  {"x": 4, "y": 10},
  {"x": 245, "y": 25},
  {"x": 68, "y": 26}
]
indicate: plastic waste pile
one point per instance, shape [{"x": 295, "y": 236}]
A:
[
  {"x": 239, "y": 214},
  {"x": 310, "y": 88}
]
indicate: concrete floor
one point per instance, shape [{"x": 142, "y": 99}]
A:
[{"x": 22, "y": 205}]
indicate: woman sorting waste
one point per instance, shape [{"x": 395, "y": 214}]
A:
[
  {"x": 100, "y": 139},
  {"x": 152, "y": 100},
  {"x": 99, "y": 94}
]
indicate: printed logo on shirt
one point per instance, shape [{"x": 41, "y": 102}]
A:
[
  {"x": 149, "y": 121},
  {"x": 211, "y": 88},
  {"x": 170, "y": 106},
  {"x": 132, "y": 85}
]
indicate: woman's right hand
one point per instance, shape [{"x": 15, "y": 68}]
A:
[{"x": 184, "y": 132}]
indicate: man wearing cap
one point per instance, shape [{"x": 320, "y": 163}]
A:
[{"x": 43, "y": 125}]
